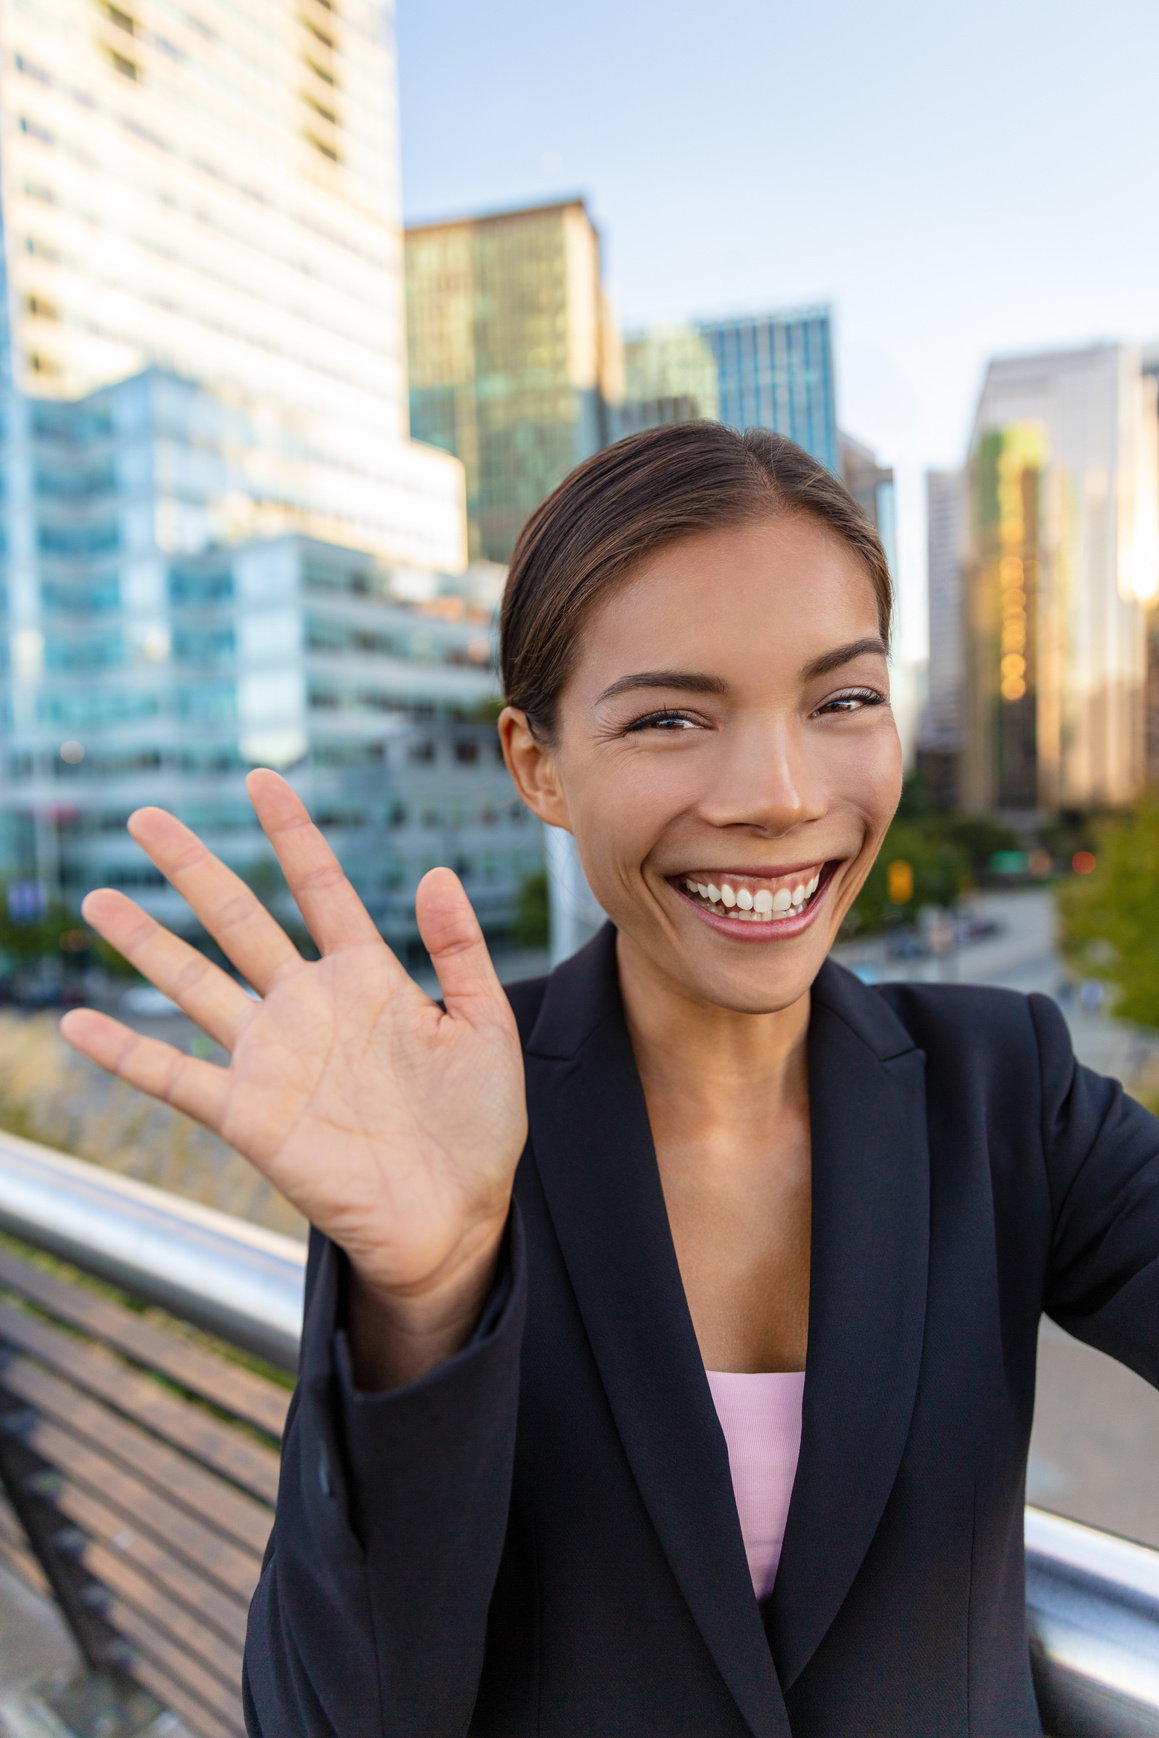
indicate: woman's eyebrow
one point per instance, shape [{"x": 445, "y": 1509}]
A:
[
  {"x": 842, "y": 655},
  {"x": 691, "y": 681}
]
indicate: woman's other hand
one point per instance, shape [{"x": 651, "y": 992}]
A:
[{"x": 394, "y": 1127}]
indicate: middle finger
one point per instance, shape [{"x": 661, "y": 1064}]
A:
[{"x": 232, "y": 913}]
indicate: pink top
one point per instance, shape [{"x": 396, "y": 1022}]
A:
[{"x": 761, "y": 1419}]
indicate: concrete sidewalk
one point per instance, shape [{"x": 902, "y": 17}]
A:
[{"x": 45, "y": 1691}]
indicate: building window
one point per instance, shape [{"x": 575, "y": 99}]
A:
[{"x": 196, "y": 588}]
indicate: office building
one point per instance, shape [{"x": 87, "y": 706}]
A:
[
  {"x": 214, "y": 190},
  {"x": 940, "y": 738},
  {"x": 776, "y": 371},
  {"x": 513, "y": 356},
  {"x": 157, "y": 661},
  {"x": 871, "y": 486},
  {"x": 669, "y": 376},
  {"x": 1061, "y": 567}
]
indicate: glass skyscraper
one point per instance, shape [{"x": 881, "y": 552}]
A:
[
  {"x": 513, "y": 356},
  {"x": 165, "y": 658},
  {"x": 776, "y": 371},
  {"x": 213, "y": 188},
  {"x": 1061, "y": 569}
]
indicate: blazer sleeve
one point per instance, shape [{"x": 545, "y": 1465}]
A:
[
  {"x": 370, "y": 1617},
  {"x": 1102, "y": 1157}
]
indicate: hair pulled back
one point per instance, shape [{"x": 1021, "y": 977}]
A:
[{"x": 631, "y": 499}]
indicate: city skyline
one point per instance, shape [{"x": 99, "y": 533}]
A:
[{"x": 952, "y": 203}]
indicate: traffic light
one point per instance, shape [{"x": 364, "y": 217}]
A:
[{"x": 900, "y": 879}]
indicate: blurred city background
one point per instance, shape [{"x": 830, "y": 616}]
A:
[{"x": 308, "y": 306}]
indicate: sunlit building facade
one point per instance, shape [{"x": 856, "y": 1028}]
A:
[
  {"x": 513, "y": 356},
  {"x": 1061, "y": 569},
  {"x": 213, "y": 189},
  {"x": 669, "y": 376},
  {"x": 776, "y": 371}
]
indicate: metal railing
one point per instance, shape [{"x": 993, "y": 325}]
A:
[
  {"x": 231, "y": 1278},
  {"x": 1092, "y": 1599},
  {"x": 1093, "y": 1607}
]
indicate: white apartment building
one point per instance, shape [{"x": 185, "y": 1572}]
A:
[
  {"x": 212, "y": 187},
  {"x": 1061, "y": 569},
  {"x": 946, "y": 527}
]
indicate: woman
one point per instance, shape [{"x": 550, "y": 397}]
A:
[{"x": 576, "y": 1243}]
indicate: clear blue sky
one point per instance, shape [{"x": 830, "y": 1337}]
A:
[{"x": 957, "y": 180}]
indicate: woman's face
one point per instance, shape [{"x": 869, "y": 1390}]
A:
[{"x": 726, "y": 757}]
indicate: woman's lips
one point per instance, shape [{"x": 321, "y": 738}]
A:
[{"x": 753, "y": 919}]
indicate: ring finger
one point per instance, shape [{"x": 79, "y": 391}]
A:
[{"x": 202, "y": 990}]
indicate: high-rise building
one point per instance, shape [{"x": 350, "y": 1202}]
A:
[
  {"x": 776, "y": 371},
  {"x": 1062, "y": 564},
  {"x": 669, "y": 376},
  {"x": 872, "y": 487},
  {"x": 940, "y": 739},
  {"x": 513, "y": 356},
  {"x": 164, "y": 666},
  {"x": 214, "y": 190}
]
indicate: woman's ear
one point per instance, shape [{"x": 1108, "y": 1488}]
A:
[{"x": 531, "y": 764}]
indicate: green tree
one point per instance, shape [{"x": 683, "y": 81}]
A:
[
  {"x": 940, "y": 872},
  {"x": 1109, "y": 919},
  {"x": 532, "y": 916},
  {"x": 978, "y": 837}
]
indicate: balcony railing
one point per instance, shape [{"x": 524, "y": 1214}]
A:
[{"x": 1092, "y": 1599}]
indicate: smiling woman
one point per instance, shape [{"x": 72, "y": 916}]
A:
[{"x": 668, "y": 1364}]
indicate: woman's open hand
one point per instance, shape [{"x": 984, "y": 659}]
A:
[{"x": 392, "y": 1126}]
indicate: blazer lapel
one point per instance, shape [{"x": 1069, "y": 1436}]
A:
[
  {"x": 593, "y": 1149},
  {"x": 870, "y": 1258}
]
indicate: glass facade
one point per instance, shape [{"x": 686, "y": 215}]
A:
[
  {"x": 1061, "y": 569},
  {"x": 155, "y": 659},
  {"x": 776, "y": 371},
  {"x": 669, "y": 376},
  {"x": 512, "y": 357},
  {"x": 213, "y": 188}
]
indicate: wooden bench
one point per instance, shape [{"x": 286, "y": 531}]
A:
[{"x": 140, "y": 1471}]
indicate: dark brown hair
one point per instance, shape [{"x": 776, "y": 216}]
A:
[{"x": 633, "y": 498}]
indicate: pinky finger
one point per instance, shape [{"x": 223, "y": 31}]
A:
[{"x": 200, "y": 1089}]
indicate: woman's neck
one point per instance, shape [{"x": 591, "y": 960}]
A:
[
  {"x": 728, "y": 1103},
  {"x": 711, "y": 1064}
]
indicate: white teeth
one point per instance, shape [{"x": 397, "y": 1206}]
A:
[{"x": 748, "y": 907}]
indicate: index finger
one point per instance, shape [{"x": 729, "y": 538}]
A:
[{"x": 331, "y": 910}]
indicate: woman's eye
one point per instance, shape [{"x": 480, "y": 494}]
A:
[
  {"x": 852, "y": 702},
  {"x": 665, "y": 721}
]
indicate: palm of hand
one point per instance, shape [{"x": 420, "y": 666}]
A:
[
  {"x": 393, "y": 1126},
  {"x": 388, "y": 1123}
]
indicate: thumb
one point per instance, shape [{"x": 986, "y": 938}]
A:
[{"x": 451, "y": 935}]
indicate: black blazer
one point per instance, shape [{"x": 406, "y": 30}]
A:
[{"x": 540, "y": 1537}]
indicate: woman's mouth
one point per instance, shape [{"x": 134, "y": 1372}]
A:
[{"x": 781, "y": 901}]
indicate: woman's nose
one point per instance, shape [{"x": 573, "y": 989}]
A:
[{"x": 763, "y": 779}]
